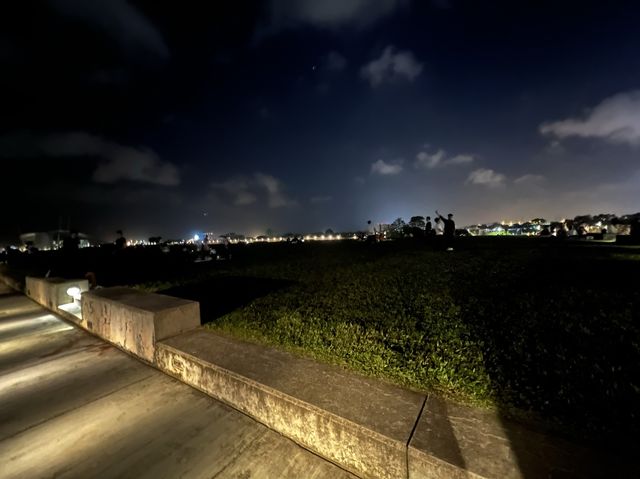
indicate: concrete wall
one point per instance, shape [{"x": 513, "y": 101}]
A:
[
  {"x": 134, "y": 320},
  {"x": 362, "y": 445},
  {"x": 52, "y": 292},
  {"x": 130, "y": 319}
]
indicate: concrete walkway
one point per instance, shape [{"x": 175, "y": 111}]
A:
[{"x": 72, "y": 405}]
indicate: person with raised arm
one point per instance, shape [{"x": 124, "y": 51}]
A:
[{"x": 449, "y": 230}]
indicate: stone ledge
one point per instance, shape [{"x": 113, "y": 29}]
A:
[
  {"x": 361, "y": 424},
  {"x": 371, "y": 428},
  {"x": 52, "y": 292},
  {"x": 454, "y": 441},
  {"x": 134, "y": 320}
]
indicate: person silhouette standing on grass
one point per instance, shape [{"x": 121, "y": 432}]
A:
[
  {"x": 70, "y": 246},
  {"x": 121, "y": 241},
  {"x": 428, "y": 229},
  {"x": 449, "y": 230},
  {"x": 439, "y": 227}
]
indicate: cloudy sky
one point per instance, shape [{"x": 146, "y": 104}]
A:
[{"x": 167, "y": 118}]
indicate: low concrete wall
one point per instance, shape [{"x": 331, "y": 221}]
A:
[
  {"x": 52, "y": 292},
  {"x": 361, "y": 424},
  {"x": 134, "y": 320}
]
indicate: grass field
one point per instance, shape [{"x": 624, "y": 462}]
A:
[{"x": 536, "y": 328}]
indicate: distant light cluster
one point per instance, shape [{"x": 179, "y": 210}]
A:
[{"x": 273, "y": 239}]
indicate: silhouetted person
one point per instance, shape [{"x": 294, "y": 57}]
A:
[
  {"x": 13, "y": 255},
  {"x": 204, "y": 248},
  {"x": 90, "y": 276},
  {"x": 371, "y": 233},
  {"x": 561, "y": 232},
  {"x": 121, "y": 241},
  {"x": 428, "y": 229},
  {"x": 449, "y": 230},
  {"x": 69, "y": 263},
  {"x": 572, "y": 229},
  {"x": 226, "y": 248},
  {"x": 71, "y": 243},
  {"x": 439, "y": 228}
]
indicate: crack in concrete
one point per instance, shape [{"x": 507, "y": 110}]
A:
[{"x": 415, "y": 426}]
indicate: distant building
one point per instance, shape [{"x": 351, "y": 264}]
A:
[
  {"x": 527, "y": 228},
  {"x": 47, "y": 240}
]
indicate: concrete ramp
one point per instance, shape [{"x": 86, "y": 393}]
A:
[{"x": 74, "y": 406}]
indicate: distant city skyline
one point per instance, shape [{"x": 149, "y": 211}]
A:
[
  {"x": 199, "y": 234},
  {"x": 163, "y": 119}
]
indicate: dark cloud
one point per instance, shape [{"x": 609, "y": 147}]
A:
[
  {"x": 391, "y": 67},
  {"x": 330, "y": 13},
  {"x": 487, "y": 177},
  {"x": 116, "y": 162},
  {"x": 387, "y": 168},
  {"x": 245, "y": 191},
  {"x": 118, "y": 19},
  {"x": 426, "y": 160}
]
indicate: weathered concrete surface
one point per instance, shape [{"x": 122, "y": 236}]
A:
[
  {"x": 453, "y": 441},
  {"x": 32, "y": 335},
  {"x": 363, "y": 425},
  {"x": 135, "y": 320},
  {"x": 76, "y": 371},
  {"x": 87, "y": 409},
  {"x": 52, "y": 292},
  {"x": 15, "y": 304}
]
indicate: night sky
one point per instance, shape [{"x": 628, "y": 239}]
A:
[{"x": 169, "y": 118}]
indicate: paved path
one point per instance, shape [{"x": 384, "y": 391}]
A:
[{"x": 71, "y": 405}]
